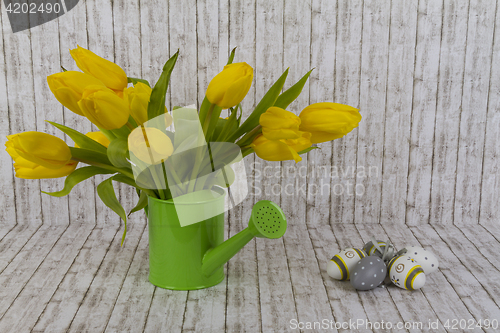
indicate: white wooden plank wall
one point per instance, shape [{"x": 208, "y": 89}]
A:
[{"x": 425, "y": 76}]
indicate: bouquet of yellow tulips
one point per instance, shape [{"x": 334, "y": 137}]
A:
[{"x": 123, "y": 107}]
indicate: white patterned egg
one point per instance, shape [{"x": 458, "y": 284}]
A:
[
  {"x": 341, "y": 264},
  {"x": 406, "y": 273},
  {"x": 425, "y": 258}
]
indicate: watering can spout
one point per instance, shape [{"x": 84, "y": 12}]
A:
[{"x": 267, "y": 221}]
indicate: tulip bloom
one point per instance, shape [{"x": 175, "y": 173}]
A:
[
  {"x": 99, "y": 137},
  {"x": 104, "y": 108},
  {"x": 278, "y": 124},
  {"x": 39, "y": 148},
  {"x": 138, "y": 99},
  {"x": 150, "y": 145},
  {"x": 229, "y": 87},
  {"x": 281, "y": 150},
  {"x": 28, "y": 170},
  {"x": 112, "y": 75},
  {"x": 68, "y": 87},
  {"x": 328, "y": 121}
]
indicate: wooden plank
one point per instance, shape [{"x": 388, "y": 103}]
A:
[
  {"x": 398, "y": 110},
  {"x": 19, "y": 271},
  {"x": 449, "y": 104},
  {"x": 14, "y": 241},
  {"x": 375, "y": 38},
  {"x": 490, "y": 185},
  {"x": 22, "y": 115},
  {"x": 67, "y": 299},
  {"x": 439, "y": 293},
  {"x": 73, "y": 32},
  {"x": 347, "y": 75},
  {"x": 167, "y": 310},
  {"x": 136, "y": 293},
  {"x": 468, "y": 287},
  {"x": 100, "y": 298},
  {"x": 344, "y": 301},
  {"x": 45, "y": 61},
  {"x": 429, "y": 24},
  {"x": 31, "y": 301},
  {"x": 377, "y": 303},
  {"x": 242, "y": 302},
  {"x": 8, "y": 200},
  {"x": 474, "y": 108},
  {"x": 182, "y": 32},
  {"x": 469, "y": 256},
  {"x": 414, "y": 308},
  {"x": 484, "y": 241},
  {"x": 209, "y": 45},
  {"x": 154, "y": 39},
  {"x": 275, "y": 289},
  {"x": 321, "y": 85}
]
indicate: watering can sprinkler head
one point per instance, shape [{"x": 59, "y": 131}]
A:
[{"x": 267, "y": 221}]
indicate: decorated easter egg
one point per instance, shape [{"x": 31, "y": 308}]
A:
[
  {"x": 368, "y": 273},
  {"x": 372, "y": 250},
  {"x": 425, "y": 258},
  {"x": 406, "y": 273},
  {"x": 340, "y": 265}
]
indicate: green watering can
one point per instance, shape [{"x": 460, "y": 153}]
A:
[{"x": 193, "y": 256}]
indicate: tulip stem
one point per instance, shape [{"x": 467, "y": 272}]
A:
[
  {"x": 208, "y": 118},
  {"x": 129, "y": 125}
]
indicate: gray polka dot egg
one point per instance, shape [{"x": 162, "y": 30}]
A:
[
  {"x": 368, "y": 273},
  {"x": 424, "y": 258}
]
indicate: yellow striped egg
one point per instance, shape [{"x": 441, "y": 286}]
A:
[
  {"x": 406, "y": 273},
  {"x": 342, "y": 263}
]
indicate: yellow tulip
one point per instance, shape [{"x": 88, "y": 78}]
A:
[
  {"x": 99, "y": 137},
  {"x": 104, "y": 108},
  {"x": 138, "y": 99},
  {"x": 28, "y": 170},
  {"x": 278, "y": 124},
  {"x": 68, "y": 87},
  {"x": 328, "y": 121},
  {"x": 281, "y": 150},
  {"x": 39, "y": 148},
  {"x": 112, "y": 75},
  {"x": 229, "y": 87},
  {"x": 150, "y": 145}
]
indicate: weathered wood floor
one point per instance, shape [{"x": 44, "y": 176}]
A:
[{"x": 77, "y": 278}]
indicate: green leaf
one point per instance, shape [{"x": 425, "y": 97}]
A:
[
  {"x": 156, "y": 104},
  {"x": 107, "y": 194},
  {"x": 87, "y": 155},
  {"x": 80, "y": 139},
  {"x": 214, "y": 118},
  {"x": 124, "y": 179},
  {"x": 307, "y": 150},
  {"x": 266, "y": 102},
  {"x": 135, "y": 80},
  {"x": 143, "y": 202},
  {"x": 231, "y": 56},
  {"x": 118, "y": 153},
  {"x": 291, "y": 94},
  {"x": 205, "y": 105},
  {"x": 78, "y": 176}
]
